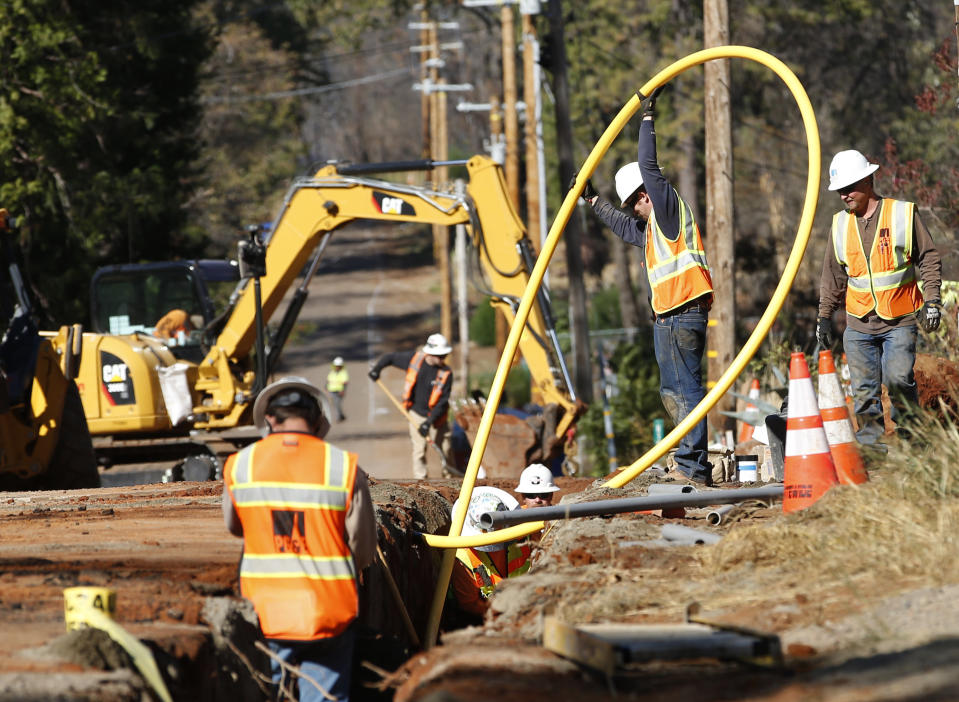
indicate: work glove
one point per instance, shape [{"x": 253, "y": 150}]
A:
[
  {"x": 374, "y": 374},
  {"x": 425, "y": 428},
  {"x": 588, "y": 191},
  {"x": 651, "y": 102},
  {"x": 929, "y": 316},
  {"x": 824, "y": 332}
]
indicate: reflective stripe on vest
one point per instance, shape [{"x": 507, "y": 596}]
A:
[
  {"x": 677, "y": 270},
  {"x": 886, "y": 280},
  {"x": 297, "y": 567},
  {"x": 485, "y": 574},
  {"x": 436, "y": 393}
]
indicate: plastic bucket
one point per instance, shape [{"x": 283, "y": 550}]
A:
[{"x": 747, "y": 468}]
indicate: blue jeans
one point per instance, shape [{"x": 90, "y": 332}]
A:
[
  {"x": 328, "y": 661},
  {"x": 680, "y": 340},
  {"x": 876, "y": 360}
]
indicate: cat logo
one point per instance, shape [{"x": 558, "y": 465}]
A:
[
  {"x": 115, "y": 380},
  {"x": 392, "y": 205}
]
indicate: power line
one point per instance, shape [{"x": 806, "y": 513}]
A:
[{"x": 283, "y": 94}]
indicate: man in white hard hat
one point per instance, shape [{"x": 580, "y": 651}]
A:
[
  {"x": 885, "y": 293},
  {"x": 303, "y": 509},
  {"x": 426, "y": 395},
  {"x": 336, "y": 381},
  {"x": 479, "y": 569},
  {"x": 536, "y": 486},
  {"x": 680, "y": 288}
]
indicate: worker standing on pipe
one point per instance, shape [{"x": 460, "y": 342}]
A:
[
  {"x": 886, "y": 292},
  {"x": 426, "y": 395},
  {"x": 303, "y": 509},
  {"x": 680, "y": 287}
]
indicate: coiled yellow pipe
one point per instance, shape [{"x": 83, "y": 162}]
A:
[{"x": 536, "y": 278}]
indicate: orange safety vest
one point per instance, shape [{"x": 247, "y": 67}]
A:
[
  {"x": 412, "y": 371},
  {"x": 484, "y": 572},
  {"x": 677, "y": 270},
  {"x": 292, "y": 492},
  {"x": 886, "y": 281}
]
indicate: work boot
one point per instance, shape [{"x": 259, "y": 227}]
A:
[{"x": 677, "y": 475}]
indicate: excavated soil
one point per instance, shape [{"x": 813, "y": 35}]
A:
[{"x": 164, "y": 550}]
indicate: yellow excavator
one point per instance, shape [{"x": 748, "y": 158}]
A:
[
  {"x": 185, "y": 391},
  {"x": 44, "y": 441}
]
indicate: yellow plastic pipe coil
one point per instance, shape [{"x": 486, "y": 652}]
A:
[{"x": 454, "y": 540}]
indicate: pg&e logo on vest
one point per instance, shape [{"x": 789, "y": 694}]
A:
[
  {"x": 289, "y": 530},
  {"x": 390, "y": 204}
]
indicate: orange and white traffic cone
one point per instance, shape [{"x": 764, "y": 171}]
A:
[
  {"x": 835, "y": 420},
  {"x": 746, "y": 433},
  {"x": 809, "y": 471}
]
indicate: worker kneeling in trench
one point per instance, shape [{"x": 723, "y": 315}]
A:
[{"x": 479, "y": 569}]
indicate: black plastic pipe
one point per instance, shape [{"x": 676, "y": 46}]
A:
[{"x": 494, "y": 520}]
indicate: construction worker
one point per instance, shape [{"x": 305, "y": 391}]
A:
[
  {"x": 303, "y": 509},
  {"x": 886, "y": 293},
  {"x": 479, "y": 569},
  {"x": 426, "y": 395},
  {"x": 680, "y": 287},
  {"x": 175, "y": 324},
  {"x": 336, "y": 381},
  {"x": 536, "y": 486}
]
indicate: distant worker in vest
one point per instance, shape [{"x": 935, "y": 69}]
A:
[
  {"x": 886, "y": 292},
  {"x": 536, "y": 486},
  {"x": 680, "y": 287},
  {"x": 479, "y": 569},
  {"x": 336, "y": 381},
  {"x": 304, "y": 510},
  {"x": 426, "y": 395}
]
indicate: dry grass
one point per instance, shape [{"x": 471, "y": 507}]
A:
[{"x": 904, "y": 522}]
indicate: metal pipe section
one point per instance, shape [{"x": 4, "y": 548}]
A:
[{"x": 495, "y": 520}]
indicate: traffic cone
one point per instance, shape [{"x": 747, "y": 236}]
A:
[
  {"x": 835, "y": 420},
  {"x": 809, "y": 471},
  {"x": 746, "y": 433}
]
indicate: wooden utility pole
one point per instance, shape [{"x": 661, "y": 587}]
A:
[
  {"x": 720, "y": 240},
  {"x": 441, "y": 233},
  {"x": 510, "y": 131},
  {"x": 425, "y": 94},
  {"x": 578, "y": 322},
  {"x": 530, "y": 90}
]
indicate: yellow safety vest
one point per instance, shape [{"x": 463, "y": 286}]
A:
[
  {"x": 677, "y": 270},
  {"x": 886, "y": 280},
  {"x": 336, "y": 380},
  {"x": 484, "y": 572}
]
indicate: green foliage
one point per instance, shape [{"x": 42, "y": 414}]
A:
[
  {"x": 604, "y": 310},
  {"x": 633, "y": 408},
  {"x": 516, "y": 389},
  {"x": 483, "y": 324},
  {"x": 97, "y": 119}
]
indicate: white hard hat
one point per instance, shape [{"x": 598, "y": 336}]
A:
[
  {"x": 849, "y": 167},
  {"x": 485, "y": 499},
  {"x": 338, "y": 361},
  {"x": 536, "y": 479},
  {"x": 298, "y": 388},
  {"x": 437, "y": 345},
  {"x": 628, "y": 181}
]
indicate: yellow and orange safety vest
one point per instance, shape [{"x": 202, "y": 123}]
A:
[
  {"x": 485, "y": 574},
  {"x": 886, "y": 280},
  {"x": 677, "y": 270},
  {"x": 292, "y": 492},
  {"x": 437, "y": 392}
]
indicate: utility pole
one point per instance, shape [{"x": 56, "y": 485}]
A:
[
  {"x": 510, "y": 131},
  {"x": 425, "y": 95},
  {"x": 578, "y": 322},
  {"x": 721, "y": 335},
  {"x": 531, "y": 98}
]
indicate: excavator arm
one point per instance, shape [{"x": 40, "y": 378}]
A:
[{"x": 335, "y": 196}]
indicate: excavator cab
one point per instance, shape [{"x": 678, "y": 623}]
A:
[{"x": 176, "y": 301}]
